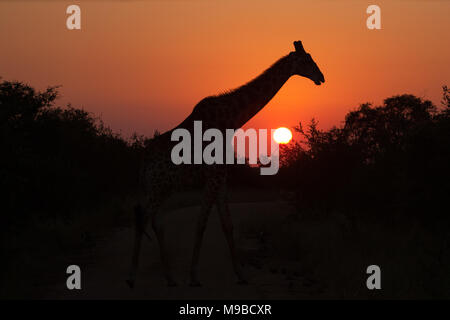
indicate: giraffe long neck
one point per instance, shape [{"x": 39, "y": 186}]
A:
[
  {"x": 249, "y": 99},
  {"x": 233, "y": 109}
]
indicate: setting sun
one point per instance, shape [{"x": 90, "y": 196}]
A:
[{"x": 282, "y": 135}]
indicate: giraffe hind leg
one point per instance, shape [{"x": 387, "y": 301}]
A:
[
  {"x": 140, "y": 220},
  {"x": 159, "y": 231}
]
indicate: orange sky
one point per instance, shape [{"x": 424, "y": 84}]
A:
[{"x": 143, "y": 65}]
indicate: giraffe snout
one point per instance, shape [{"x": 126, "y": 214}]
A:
[{"x": 320, "y": 79}]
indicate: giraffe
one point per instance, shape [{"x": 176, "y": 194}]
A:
[{"x": 160, "y": 177}]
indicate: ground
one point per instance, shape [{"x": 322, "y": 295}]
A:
[
  {"x": 105, "y": 267},
  {"x": 286, "y": 253}
]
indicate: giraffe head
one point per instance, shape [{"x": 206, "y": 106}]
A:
[{"x": 304, "y": 65}]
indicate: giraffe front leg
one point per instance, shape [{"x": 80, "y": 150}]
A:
[
  {"x": 227, "y": 227},
  {"x": 200, "y": 230}
]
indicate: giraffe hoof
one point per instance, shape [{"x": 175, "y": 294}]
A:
[
  {"x": 130, "y": 283},
  {"x": 242, "y": 282},
  {"x": 195, "y": 283}
]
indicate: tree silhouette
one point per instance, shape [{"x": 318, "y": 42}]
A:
[
  {"x": 395, "y": 154},
  {"x": 56, "y": 159}
]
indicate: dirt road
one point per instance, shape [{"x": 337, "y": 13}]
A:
[{"x": 105, "y": 268}]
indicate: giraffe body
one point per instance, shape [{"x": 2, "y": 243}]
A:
[{"x": 160, "y": 177}]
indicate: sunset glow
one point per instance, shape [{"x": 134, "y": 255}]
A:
[
  {"x": 282, "y": 135},
  {"x": 143, "y": 65}
]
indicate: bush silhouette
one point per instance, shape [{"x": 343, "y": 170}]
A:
[
  {"x": 393, "y": 155},
  {"x": 56, "y": 160}
]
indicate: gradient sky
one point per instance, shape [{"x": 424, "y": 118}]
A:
[{"x": 143, "y": 65}]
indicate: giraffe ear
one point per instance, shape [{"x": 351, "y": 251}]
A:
[{"x": 298, "y": 46}]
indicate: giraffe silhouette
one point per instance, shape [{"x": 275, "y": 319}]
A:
[{"x": 160, "y": 177}]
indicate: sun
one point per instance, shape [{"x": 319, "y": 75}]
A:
[{"x": 282, "y": 135}]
